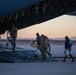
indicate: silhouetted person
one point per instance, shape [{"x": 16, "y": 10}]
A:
[
  {"x": 45, "y": 46},
  {"x": 68, "y": 46},
  {"x": 13, "y": 34},
  {"x": 38, "y": 39}
]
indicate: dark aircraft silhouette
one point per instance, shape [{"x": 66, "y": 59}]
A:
[{"x": 24, "y": 13}]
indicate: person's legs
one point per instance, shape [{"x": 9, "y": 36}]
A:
[
  {"x": 49, "y": 54},
  {"x": 49, "y": 47},
  {"x": 44, "y": 55},
  {"x": 13, "y": 43},
  {"x": 43, "y": 52},
  {"x": 64, "y": 60},
  {"x": 72, "y": 57}
]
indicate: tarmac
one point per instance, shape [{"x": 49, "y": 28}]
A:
[{"x": 39, "y": 68}]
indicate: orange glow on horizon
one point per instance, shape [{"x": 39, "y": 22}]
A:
[{"x": 55, "y": 28}]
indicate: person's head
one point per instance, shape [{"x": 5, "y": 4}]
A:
[
  {"x": 12, "y": 25},
  {"x": 66, "y": 37},
  {"x": 42, "y": 35},
  {"x": 37, "y": 34}
]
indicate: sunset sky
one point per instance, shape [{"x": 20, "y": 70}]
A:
[{"x": 55, "y": 28}]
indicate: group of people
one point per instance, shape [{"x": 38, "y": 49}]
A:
[{"x": 43, "y": 43}]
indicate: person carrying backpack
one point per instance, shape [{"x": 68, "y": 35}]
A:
[{"x": 68, "y": 47}]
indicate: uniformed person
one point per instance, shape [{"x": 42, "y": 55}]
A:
[
  {"x": 39, "y": 43},
  {"x": 13, "y": 34},
  {"x": 45, "y": 46}
]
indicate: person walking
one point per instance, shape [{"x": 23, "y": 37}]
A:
[
  {"x": 68, "y": 48},
  {"x": 38, "y": 40},
  {"x": 39, "y": 44},
  {"x": 13, "y": 34},
  {"x": 45, "y": 46}
]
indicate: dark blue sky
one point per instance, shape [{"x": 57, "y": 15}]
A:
[{"x": 9, "y": 6}]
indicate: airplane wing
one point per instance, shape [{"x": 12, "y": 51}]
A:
[
  {"x": 73, "y": 13},
  {"x": 24, "y": 13}
]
